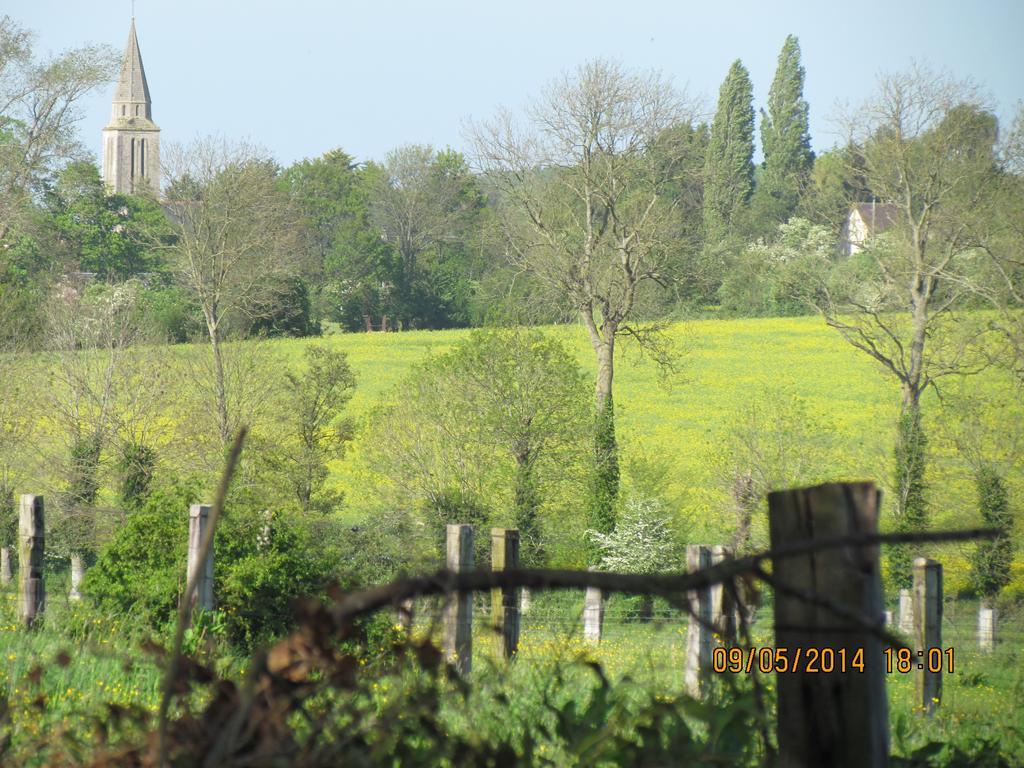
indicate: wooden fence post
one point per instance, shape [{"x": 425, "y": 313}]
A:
[
  {"x": 838, "y": 718},
  {"x": 504, "y": 605},
  {"x": 593, "y": 614},
  {"x": 698, "y": 635},
  {"x": 986, "y": 627},
  {"x": 406, "y": 614},
  {"x": 198, "y": 519},
  {"x": 723, "y": 609},
  {"x": 927, "y": 633},
  {"x": 458, "y": 613},
  {"x": 77, "y": 573},
  {"x": 906, "y": 613},
  {"x": 5, "y": 566},
  {"x": 31, "y": 543}
]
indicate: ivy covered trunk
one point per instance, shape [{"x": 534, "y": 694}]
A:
[
  {"x": 911, "y": 509},
  {"x": 527, "y": 502},
  {"x": 991, "y": 561}
]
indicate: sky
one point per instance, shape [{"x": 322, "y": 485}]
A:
[{"x": 306, "y": 76}]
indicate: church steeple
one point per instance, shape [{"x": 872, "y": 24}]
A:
[
  {"x": 132, "y": 94},
  {"x": 131, "y": 142}
]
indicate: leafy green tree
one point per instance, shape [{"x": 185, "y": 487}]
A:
[
  {"x": 729, "y": 166},
  {"x": 135, "y": 467},
  {"x": 40, "y": 104},
  {"x": 316, "y": 398},
  {"x": 774, "y": 441},
  {"x": 501, "y": 417},
  {"x": 835, "y": 179},
  {"x": 426, "y": 204},
  {"x": 785, "y": 139},
  {"x": 235, "y": 243},
  {"x": 589, "y": 195},
  {"x": 333, "y": 196},
  {"x": 765, "y": 279},
  {"x": 104, "y": 233},
  {"x": 990, "y": 564}
]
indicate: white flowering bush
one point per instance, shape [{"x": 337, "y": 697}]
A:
[{"x": 642, "y": 541}]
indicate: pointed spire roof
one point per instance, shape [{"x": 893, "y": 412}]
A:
[{"x": 132, "y": 87}]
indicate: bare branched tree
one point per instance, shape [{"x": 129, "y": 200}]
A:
[
  {"x": 236, "y": 240},
  {"x": 586, "y": 183},
  {"x": 89, "y": 339},
  {"x": 926, "y": 144},
  {"x": 421, "y": 199}
]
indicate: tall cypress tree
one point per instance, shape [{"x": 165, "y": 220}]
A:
[
  {"x": 785, "y": 138},
  {"x": 729, "y": 166}
]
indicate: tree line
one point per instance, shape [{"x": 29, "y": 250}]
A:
[{"x": 610, "y": 200}]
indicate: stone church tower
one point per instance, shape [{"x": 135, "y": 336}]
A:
[{"x": 131, "y": 142}]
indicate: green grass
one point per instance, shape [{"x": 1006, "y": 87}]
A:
[{"x": 683, "y": 428}]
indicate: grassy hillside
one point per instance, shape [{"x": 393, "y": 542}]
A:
[{"x": 790, "y": 376}]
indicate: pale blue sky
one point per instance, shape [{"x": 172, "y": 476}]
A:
[{"x": 305, "y": 76}]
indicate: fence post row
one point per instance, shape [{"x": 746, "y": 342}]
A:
[
  {"x": 504, "y": 602},
  {"x": 906, "y": 613},
  {"x": 829, "y": 718},
  {"x": 31, "y": 543},
  {"x": 5, "y": 566},
  {"x": 593, "y": 614},
  {"x": 987, "y": 617},
  {"x": 77, "y": 574},
  {"x": 723, "y": 606},
  {"x": 927, "y": 633},
  {"x": 198, "y": 519},
  {"x": 458, "y": 612},
  {"x": 698, "y": 634}
]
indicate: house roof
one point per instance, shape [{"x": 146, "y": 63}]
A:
[{"x": 877, "y": 216}]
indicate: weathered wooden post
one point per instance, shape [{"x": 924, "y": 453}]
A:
[
  {"x": 406, "y": 614},
  {"x": 5, "y": 566},
  {"x": 31, "y": 542},
  {"x": 723, "y": 609},
  {"x": 698, "y": 634},
  {"x": 504, "y": 605},
  {"x": 77, "y": 573},
  {"x": 458, "y": 613},
  {"x": 832, "y": 710},
  {"x": 906, "y": 613},
  {"x": 593, "y": 614},
  {"x": 927, "y": 633},
  {"x": 198, "y": 519},
  {"x": 986, "y": 627},
  {"x": 887, "y": 617}
]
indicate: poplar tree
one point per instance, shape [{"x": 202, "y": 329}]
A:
[
  {"x": 729, "y": 167},
  {"x": 785, "y": 138}
]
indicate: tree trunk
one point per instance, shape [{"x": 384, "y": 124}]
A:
[
  {"x": 221, "y": 389},
  {"x": 604, "y": 347},
  {"x": 911, "y": 510},
  {"x": 527, "y": 502},
  {"x": 605, "y": 482}
]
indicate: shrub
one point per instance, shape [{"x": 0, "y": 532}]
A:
[
  {"x": 264, "y": 563},
  {"x": 141, "y": 571}
]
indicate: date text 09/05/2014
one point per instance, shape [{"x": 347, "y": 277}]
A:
[{"x": 826, "y": 660}]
